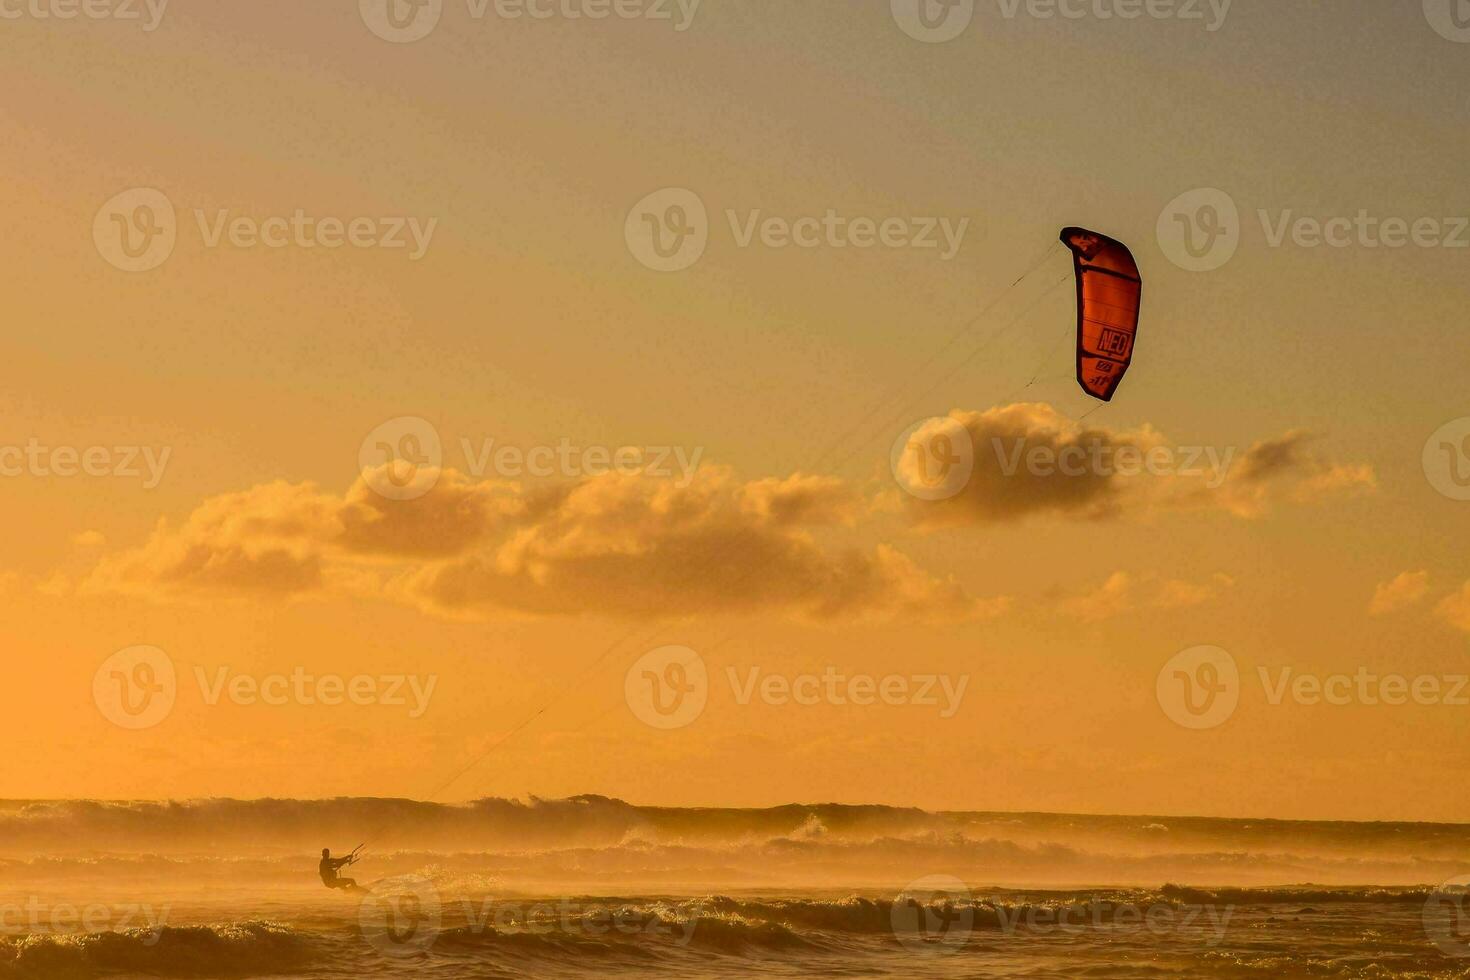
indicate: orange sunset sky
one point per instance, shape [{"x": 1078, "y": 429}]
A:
[{"x": 790, "y": 548}]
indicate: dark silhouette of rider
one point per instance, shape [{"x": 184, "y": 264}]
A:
[{"x": 328, "y": 870}]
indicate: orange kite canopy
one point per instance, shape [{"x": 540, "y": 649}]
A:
[{"x": 1109, "y": 290}]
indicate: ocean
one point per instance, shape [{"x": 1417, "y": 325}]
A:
[{"x": 596, "y": 887}]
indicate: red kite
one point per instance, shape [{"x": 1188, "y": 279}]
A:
[{"x": 1109, "y": 290}]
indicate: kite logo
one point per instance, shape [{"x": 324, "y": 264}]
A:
[
  {"x": 402, "y": 458},
  {"x": 136, "y": 231},
  {"x": 1450, "y": 19},
  {"x": 934, "y": 913},
  {"x": 933, "y": 21},
  {"x": 1115, "y": 342},
  {"x": 1447, "y": 459},
  {"x": 401, "y": 21},
  {"x": 1199, "y": 688},
  {"x": 1199, "y": 230},
  {"x": 668, "y": 230},
  {"x": 933, "y": 459},
  {"x": 135, "y": 688},
  {"x": 667, "y": 688}
]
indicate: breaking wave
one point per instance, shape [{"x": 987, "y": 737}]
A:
[{"x": 239, "y": 949}]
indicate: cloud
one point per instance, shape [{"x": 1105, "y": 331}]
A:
[
  {"x": 1286, "y": 468},
  {"x": 458, "y": 515},
  {"x": 1003, "y": 486},
  {"x": 614, "y": 544},
  {"x": 1124, "y": 592},
  {"x": 801, "y": 500},
  {"x": 266, "y": 540},
  {"x": 1110, "y": 599},
  {"x": 1403, "y": 591},
  {"x": 1455, "y": 608},
  {"x": 1028, "y": 460},
  {"x": 1177, "y": 594},
  {"x": 629, "y": 546},
  {"x": 633, "y": 545}
]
